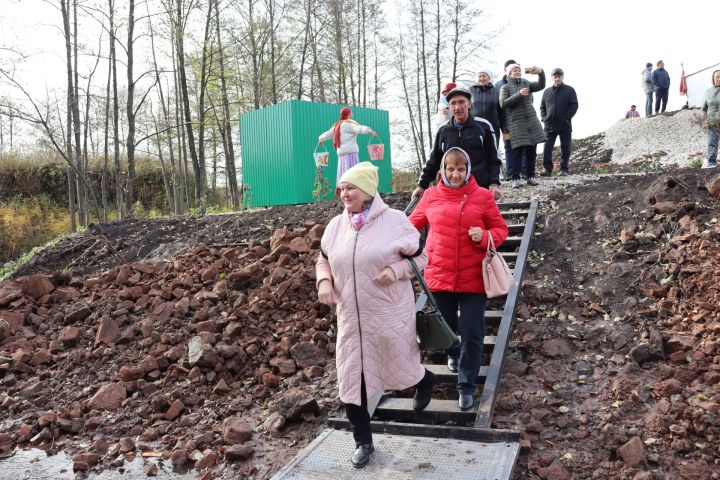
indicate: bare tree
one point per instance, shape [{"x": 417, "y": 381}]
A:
[
  {"x": 65, "y": 8},
  {"x": 225, "y": 126},
  {"x": 119, "y": 192}
]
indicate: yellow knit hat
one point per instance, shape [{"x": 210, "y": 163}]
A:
[{"x": 364, "y": 175}]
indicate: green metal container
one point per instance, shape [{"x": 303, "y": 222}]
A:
[{"x": 278, "y": 166}]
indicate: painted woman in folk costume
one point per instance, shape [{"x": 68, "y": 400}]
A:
[{"x": 343, "y": 133}]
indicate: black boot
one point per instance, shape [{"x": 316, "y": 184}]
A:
[
  {"x": 361, "y": 457},
  {"x": 423, "y": 391},
  {"x": 453, "y": 363}
]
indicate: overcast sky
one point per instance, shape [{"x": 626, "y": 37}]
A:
[{"x": 602, "y": 46}]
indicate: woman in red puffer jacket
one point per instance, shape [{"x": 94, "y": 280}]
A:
[{"x": 461, "y": 215}]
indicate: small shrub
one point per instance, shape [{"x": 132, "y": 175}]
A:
[{"x": 321, "y": 187}]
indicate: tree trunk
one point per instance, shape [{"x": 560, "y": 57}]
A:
[
  {"x": 72, "y": 185},
  {"x": 456, "y": 39},
  {"x": 316, "y": 66},
  {"x": 426, "y": 87},
  {"x": 106, "y": 146},
  {"x": 303, "y": 55},
  {"x": 79, "y": 168},
  {"x": 119, "y": 193},
  {"x": 200, "y": 179},
  {"x": 228, "y": 147},
  {"x": 438, "y": 32},
  {"x": 206, "y": 51},
  {"x": 273, "y": 76},
  {"x": 166, "y": 183},
  {"x": 130, "y": 107},
  {"x": 337, "y": 22}
]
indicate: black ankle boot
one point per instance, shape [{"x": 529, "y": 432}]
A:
[
  {"x": 423, "y": 391},
  {"x": 453, "y": 363},
  {"x": 361, "y": 457}
]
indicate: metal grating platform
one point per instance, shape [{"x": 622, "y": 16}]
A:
[{"x": 402, "y": 457}]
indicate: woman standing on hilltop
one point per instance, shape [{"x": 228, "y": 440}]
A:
[
  {"x": 525, "y": 130},
  {"x": 344, "y": 133},
  {"x": 711, "y": 109}
]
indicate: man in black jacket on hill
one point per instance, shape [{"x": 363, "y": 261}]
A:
[{"x": 558, "y": 107}]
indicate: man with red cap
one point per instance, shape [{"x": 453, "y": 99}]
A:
[{"x": 344, "y": 133}]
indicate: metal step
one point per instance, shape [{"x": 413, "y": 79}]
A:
[
  {"x": 446, "y": 376},
  {"x": 402, "y": 457},
  {"x": 513, "y": 205},
  {"x": 516, "y": 228},
  {"x": 488, "y": 435},
  {"x": 515, "y": 213},
  {"x": 438, "y": 411}
]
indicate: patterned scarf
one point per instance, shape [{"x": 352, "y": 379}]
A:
[{"x": 358, "y": 219}]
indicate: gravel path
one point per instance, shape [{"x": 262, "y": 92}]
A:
[{"x": 677, "y": 134}]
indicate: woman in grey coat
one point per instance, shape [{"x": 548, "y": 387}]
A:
[{"x": 522, "y": 121}]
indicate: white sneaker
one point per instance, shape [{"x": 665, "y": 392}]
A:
[
  {"x": 710, "y": 165},
  {"x": 515, "y": 183}
]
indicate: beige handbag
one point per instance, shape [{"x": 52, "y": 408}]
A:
[{"x": 497, "y": 278}]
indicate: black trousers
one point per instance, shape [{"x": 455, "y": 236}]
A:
[
  {"x": 661, "y": 95},
  {"x": 565, "y": 149},
  {"x": 360, "y": 418}
]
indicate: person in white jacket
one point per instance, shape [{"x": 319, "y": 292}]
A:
[{"x": 344, "y": 133}]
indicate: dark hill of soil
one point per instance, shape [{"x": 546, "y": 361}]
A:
[{"x": 201, "y": 339}]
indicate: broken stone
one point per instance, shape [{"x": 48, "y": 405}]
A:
[
  {"x": 126, "y": 445},
  {"x": 108, "y": 332},
  {"x": 128, "y": 374},
  {"x": 36, "y": 285},
  {"x": 236, "y": 430},
  {"x": 174, "y": 410},
  {"x": 109, "y": 397},
  {"x": 70, "y": 336},
  {"x": 306, "y": 354},
  {"x": 80, "y": 313},
  {"x": 633, "y": 452},
  {"x": 294, "y": 402},
  {"x": 668, "y": 387},
  {"x": 221, "y": 388},
  {"x": 235, "y": 453},
  {"x": 556, "y": 347}
]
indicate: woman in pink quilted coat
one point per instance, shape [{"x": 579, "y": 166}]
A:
[
  {"x": 461, "y": 214},
  {"x": 362, "y": 269}
]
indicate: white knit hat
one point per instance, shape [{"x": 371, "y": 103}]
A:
[{"x": 510, "y": 68}]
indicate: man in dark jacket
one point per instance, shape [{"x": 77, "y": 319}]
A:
[
  {"x": 474, "y": 135},
  {"x": 558, "y": 107},
  {"x": 486, "y": 101},
  {"x": 661, "y": 85}
]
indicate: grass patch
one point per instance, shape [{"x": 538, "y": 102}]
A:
[{"x": 28, "y": 222}]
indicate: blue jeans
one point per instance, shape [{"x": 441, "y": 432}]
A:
[
  {"x": 565, "y": 149},
  {"x": 712, "y": 145},
  {"x": 648, "y": 104},
  {"x": 522, "y": 159},
  {"x": 661, "y": 96},
  {"x": 471, "y": 328}
]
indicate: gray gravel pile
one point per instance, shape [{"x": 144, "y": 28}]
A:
[{"x": 679, "y": 135}]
